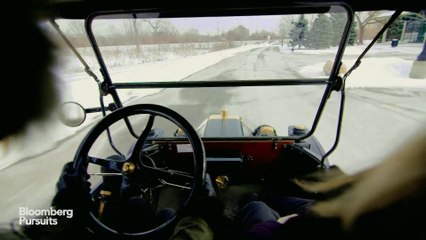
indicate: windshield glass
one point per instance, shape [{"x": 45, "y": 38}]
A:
[{"x": 259, "y": 47}]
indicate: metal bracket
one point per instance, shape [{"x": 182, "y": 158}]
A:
[
  {"x": 338, "y": 84},
  {"x": 103, "y": 88}
]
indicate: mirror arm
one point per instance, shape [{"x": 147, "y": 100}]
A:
[{"x": 111, "y": 107}]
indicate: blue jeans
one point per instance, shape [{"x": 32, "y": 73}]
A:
[
  {"x": 255, "y": 212},
  {"x": 286, "y": 205},
  {"x": 258, "y": 211}
]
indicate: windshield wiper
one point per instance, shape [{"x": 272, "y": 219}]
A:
[
  {"x": 394, "y": 16},
  {"x": 87, "y": 69},
  {"x": 103, "y": 89}
]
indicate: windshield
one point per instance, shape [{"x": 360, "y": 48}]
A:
[
  {"x": 140, "y": 48},
  {"x": 259, "y": 47}
]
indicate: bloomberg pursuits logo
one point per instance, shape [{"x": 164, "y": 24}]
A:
[{"x": 29, "y": 217}]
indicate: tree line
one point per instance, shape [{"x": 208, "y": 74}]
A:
[
  {"x": 159, "y": 31},
  {"x": 326, "y": 31},
  {"x": 315, "y": 31}
]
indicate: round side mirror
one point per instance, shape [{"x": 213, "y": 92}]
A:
[{"x": 72, "y": 114}]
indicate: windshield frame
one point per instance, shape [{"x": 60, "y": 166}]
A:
[{"x": 333, "y": 83}]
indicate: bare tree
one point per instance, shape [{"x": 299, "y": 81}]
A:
[
  {"x": 162, "y": 29},
  {"x": 136, "y": 34},
  {"x": 132, "y": 32},
  {"x": 192, "y": 35},
  {"x": 75, "y": 30},
  {"x": 363, "y": 19},
  {"x": 284, "y": 27}
]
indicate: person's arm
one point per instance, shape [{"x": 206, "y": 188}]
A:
[
  {"x": 12, "y": 234},
  {"x": 73, "y": 196}
]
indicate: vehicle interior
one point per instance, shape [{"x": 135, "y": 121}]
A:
[{"x": 197, "y": 141}]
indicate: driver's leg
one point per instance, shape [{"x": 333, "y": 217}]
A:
[
  {"x": 136, "y": 215},
  {"x": 286, "y": 205},
  {"x": 254, "y": 212}
]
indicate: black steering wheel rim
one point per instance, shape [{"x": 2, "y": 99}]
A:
[{"x": 81, "y": 159}]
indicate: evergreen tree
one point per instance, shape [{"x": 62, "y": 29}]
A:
[
  {"x": 395, "y": 30},
  {"x": 298, "y": 32},
  {"x": 321, "y": 34},
  {"x": 338, "y": 20},
  {"x": 353, "y": 34}
]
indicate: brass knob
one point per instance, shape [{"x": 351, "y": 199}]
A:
[
  {"x": 128, "y": 168},
  {"x": 105, "y": 193},
  {"x": 222, "y": 182}
]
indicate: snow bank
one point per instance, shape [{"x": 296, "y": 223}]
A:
[
  {"x": 378, "y": 48},
  {"x": 44, "y": 136},
  {"x": 373, "y": 72},
  {"x": 34, "y": 140},
  {"x": 389, "y": 73}
]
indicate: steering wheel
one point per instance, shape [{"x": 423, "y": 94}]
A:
[{"x": 132, "y": 167}]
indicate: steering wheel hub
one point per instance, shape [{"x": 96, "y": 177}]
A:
[{"x": 128, "y": 168}]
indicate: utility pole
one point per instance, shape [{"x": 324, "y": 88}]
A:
[
  {"x": 136, "y": 33},
  {"x": 217, "y": 25}
]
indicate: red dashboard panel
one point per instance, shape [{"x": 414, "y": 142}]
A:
[
  {"x": 252, "y": 157},
  {"x": 256, "y": 151}
]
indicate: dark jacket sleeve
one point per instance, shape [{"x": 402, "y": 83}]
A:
[
  {"x": 262, "y": 231},
  {"x": 6, "y": 234},
  {"x": 299, "y": 227}
]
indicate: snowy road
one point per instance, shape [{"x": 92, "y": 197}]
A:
[{"x": 375, "y": 118}]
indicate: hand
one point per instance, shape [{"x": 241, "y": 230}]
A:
[
  {"x": 72, "y": 194},
  {"x": 284, "y": 219},
  {"x": 72, "y": 190}
]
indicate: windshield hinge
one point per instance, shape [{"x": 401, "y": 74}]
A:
[
  {"x": 103, "y": 88},
  {"x": 338, "y": 84}
]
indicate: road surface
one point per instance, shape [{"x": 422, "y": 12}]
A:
[{"x": 377, "y": 120}]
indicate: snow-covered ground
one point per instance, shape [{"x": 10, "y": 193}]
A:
[
  {"x": 387, "y": 72},
  {"x": 173, "y": 69},
  {"x": 390, "y": 72},
  {"x": 378, "y": 48},
  {"x": 82, "y": 89}
]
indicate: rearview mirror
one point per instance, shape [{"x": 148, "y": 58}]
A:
[{"x": 72, "y": 114}]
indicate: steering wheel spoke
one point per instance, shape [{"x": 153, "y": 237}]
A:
[
  {"x": 169, "y": 175},
  {"x": 141, "y": 140},
  {"x": 111, "y": 164}
]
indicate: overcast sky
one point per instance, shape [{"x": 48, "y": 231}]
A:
[
  {"x": 205, "y": 25},
  {"x": 211, "y": 25}
]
